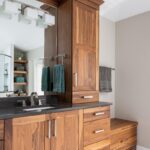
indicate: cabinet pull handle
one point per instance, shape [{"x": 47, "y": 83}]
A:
[
  {"x": 99, "y": 131},
  {"x": 55, "y": 128},
  {"x": 49, "y": 129},
  {"x": 88, "y": 97},
  {"x": 76, "y": 79},
  {"x": 99, "y": 113}
]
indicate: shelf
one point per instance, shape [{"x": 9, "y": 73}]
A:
[
  {"x": 20, "y": 72},
  {"x": 20, "y": 61},
  {"x": 20, "y": 83},
  {"x": 22, "y": 94}
]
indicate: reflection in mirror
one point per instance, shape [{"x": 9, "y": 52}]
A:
[{"x": 22, "y": 30}]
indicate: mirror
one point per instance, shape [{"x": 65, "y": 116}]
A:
[{"x": 22, "y": 37}]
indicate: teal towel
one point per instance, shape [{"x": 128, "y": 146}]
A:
[
  {"x": 59, "y": 79},
  {"x": 45, "y": 79}
]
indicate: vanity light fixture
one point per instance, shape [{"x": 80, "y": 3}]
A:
[
  {"x": 23, "y": 19},
  {"x": 28, "y": 15},
  {"x": 31, "y": 13},
  {"x": 49, "y": 19},
  {"x": 39, "y": 21},
  {"x": 10, "y": 7},
  {"x": 46, "y": 20}
]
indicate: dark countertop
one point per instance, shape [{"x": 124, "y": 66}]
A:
[{"x": 9, "y": 113}]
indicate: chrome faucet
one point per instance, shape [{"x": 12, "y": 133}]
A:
[{"x": 34, "y": 99}]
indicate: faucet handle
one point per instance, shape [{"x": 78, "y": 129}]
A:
[{"x": 40, "y": 102}]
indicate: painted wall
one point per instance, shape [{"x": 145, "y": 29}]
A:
[
  {"x": 107, "y": 55},
  {"x": 9, "y": 79},
  {"x": 133, "y": 74},
  {"x": 35, "y": 70}
]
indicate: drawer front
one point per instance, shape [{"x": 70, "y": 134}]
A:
[
  {"x": 129, "y": 144},
  {"x": 96, "y": 131},
  {"x": 1, "y": 145},
  {"x": 85, "y": 97},
  {"x": 102, "y": 145},
  {"x": 124, "y": 139},
  {"x": 1, "y": 129},
  {"x": 96, "y": 113}
]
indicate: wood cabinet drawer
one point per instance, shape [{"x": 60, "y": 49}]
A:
[
  {"x": 102, "y": 145},
  {"x": 1, "y": 145},
  {"x": 96, "y": 113},
  {"x": 1, "y": 129},
  {"x": 124, "y": 140},
  {"x": 85, "y": 97},
  {"x": 96, "y": 131},
  {"x": 129, "y": 144}
]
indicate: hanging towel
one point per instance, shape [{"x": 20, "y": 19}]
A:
[
  {"x": 59, "y": 79},
  {"x": 105, "y": 79},
  {"x": 45, "y": 79}
]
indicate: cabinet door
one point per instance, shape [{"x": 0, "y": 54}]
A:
[
  {"x": 27, "y": 133},
  {"x": 85, "y": 48},
  {"x": 66, "y": 131}
]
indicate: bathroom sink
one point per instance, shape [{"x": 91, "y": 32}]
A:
[{"x": 38, "y": 108}]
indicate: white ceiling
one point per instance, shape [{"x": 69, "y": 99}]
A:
[{"x": 117, "y": 10}]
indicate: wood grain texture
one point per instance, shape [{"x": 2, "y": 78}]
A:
[
  {"x": 1, "y": 145},
  {"x": 123, "y": 134},
  {"x": 78, "y": 97},
  {"x": 66, "y": 130},
  {"x": 91, "y": 127},
  {"x": 85, "y": 51},
  {"x": 117, "y": 125},
  {"x": 102, "y": 145},
  {"x": 81, "y": 129},
  {"x": 25, "y": 133},
  {"x": 1, "y": 129},
  {"x": 64, "y": 43},
  {"x": 56, "y": 3},
  {"x": 92, "y": 3},
  {"x": 53, "y": 3},
  {"x": 96, "y": 113}
]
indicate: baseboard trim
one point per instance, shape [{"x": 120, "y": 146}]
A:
[{"x": 142, "y": 148}]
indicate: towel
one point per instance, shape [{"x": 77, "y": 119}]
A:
[
  {"x": 105, "y": 79},
  {"x": 45, "y": 79},
  {"x": 59, "y": 79}
]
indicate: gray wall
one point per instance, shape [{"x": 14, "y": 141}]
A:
[
  {"x": 107, "y": 56},
  {"x": 133, "y": 73}
]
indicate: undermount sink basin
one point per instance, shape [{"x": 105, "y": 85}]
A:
[{"x": 37, "y": 108}]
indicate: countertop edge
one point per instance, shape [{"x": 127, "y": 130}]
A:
[{"x": 17, "y": 114}]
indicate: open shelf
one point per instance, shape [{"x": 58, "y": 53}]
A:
[
  {"x": 20, "y": 61},
  {"x": 20, "y": 72},
  {"x": 20, "y": 83}
]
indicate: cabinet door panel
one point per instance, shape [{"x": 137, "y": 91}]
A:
[
  {"x": 66, "y": 131},
  {"x": 27, "y": 133},
  {"x": 85, "y": 48},
  {"x": 86, "y": 77}
]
